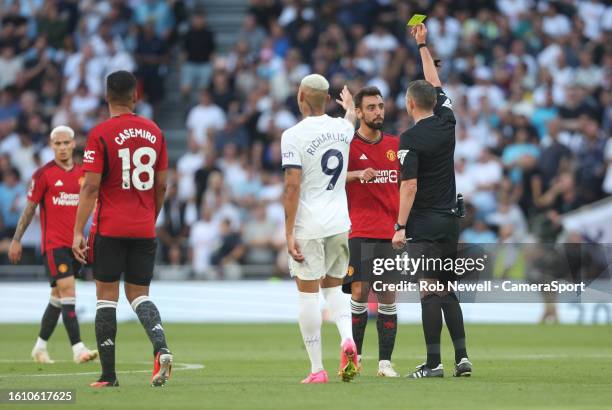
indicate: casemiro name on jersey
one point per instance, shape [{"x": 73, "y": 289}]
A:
[
  {"x": 134, "y": 133},
  {"x": 327, "y": 137}
]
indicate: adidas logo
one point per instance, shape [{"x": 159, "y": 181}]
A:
[
  {"x": 59, "y": 183},
  {"x": 158, "y": 327},
  {"x": 363, "y": 156},
  {"x": 107, "y": 343}
]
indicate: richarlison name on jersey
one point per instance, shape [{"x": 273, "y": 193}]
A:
[
  {"x": 327, "y": 137},
  {"x": 134, "y": 133},
  {"x": 65, "y": 199}
]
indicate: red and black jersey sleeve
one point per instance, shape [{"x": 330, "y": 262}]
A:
[
  {"x": 93, "y": 157},
  {"x": 38, "y": 186}
]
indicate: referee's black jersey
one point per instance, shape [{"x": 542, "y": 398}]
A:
[{"x": 426, "y": 152}]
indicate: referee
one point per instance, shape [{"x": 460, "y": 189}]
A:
[{"x": 428, "y": 208}]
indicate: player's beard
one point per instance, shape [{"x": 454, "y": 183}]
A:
[{"x": 374, "y": 125}]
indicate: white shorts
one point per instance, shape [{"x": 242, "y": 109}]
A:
[{"x": 322, "y": 257}]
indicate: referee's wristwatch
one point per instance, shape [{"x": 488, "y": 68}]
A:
[{"x": 398, "y": 227}]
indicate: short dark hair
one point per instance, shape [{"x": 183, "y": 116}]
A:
[
  {"x": 120, "y": 86},
  {"x": 423, "y": 94},
  {"x": 366, "y": 92}
]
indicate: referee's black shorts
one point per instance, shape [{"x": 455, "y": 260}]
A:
[
  {"x": 362, "y": 252},
  {"x": 133, "y": 257},
  {"x": 433, "y": 234}
]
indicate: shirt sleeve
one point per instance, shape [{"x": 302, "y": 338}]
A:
[
  {"x": 38, "y": 187},
  {"x": 408, "y": 159},
  {"x": 444, "y": 107},
  {"x": 162, "y": 162},
  {"x": 93, "y": 157},
  {"x": 290, "y": 152}
]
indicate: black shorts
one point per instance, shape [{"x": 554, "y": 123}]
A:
[
  {"x": 433, "y": 235},
  {"x": 362, "y": 252},
  {"x": 134, "y": 257},
  {"x": 60, "y": 263}
]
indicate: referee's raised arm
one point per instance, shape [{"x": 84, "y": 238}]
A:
[{"x": 419, "y": 32}]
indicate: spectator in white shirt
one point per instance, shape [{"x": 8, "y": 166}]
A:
[
  {"x": 203, "y": 116},
  {"x": 186, "y": 166},
  {"x": 588, "y": 74},
  {"x": 555, "y": 24}
]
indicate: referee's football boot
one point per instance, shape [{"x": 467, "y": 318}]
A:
[
  {"x": 162, "y": 368},
  {"x": 423, "y": 371},
  {"x": 463, "y": 368}
]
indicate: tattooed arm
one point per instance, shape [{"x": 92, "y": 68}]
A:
[{"x": 24, "y": 222}]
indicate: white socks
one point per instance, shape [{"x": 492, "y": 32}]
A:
[
  {"x": 40, "y": 344},
  {"x": 77, "y": 348},
  {"x": 310, "y": 320},
  {"x": 340, "y": 310}
]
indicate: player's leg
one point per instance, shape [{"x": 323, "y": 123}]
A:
[
  {"x": 47, "y": 326},
  {"x": 67, "y": 267},
  {"x": 359, "y": 312},
  {"x": 359, "y": 289},
  {"x": 386, "y": 326},
  {"x": 431, "y": 303},
  {"x": 336, "y": 266},
  {"x": 453, "y": 315},
  {"x": 109, "y": 262},
  {"x": 140, "y": 265},
  {"x": 307, "y": 275},
  {"x": 107, "y": 294},
  {"x": 80, "y": 352}
]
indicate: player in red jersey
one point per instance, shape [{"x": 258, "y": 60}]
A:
[
  {"x": 372, "y": 190},
  {"x": 125, "y": 164},
  {"x": 55, "y": 187}
]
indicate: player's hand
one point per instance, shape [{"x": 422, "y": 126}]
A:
[
  {"x": 14, "y": 252},
  {"x": 346, "y": 99},
  {"x": 368, "y": 174},
  {"x": 79, "y": 248},
  {"x": 419, "y": 32},
  {"x": 399, "y": 239},
  {"x": 294, "y": 249}
]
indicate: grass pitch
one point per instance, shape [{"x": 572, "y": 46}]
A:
[{"x": 260, "y": 367}]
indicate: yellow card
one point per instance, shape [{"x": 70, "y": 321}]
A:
[{"x": 416, "y": 19}]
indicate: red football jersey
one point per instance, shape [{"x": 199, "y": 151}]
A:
[
  {"x": 374, "y": 205},
  {"x": 57, "y": 193},
  {"x": 127, "y": 150}
]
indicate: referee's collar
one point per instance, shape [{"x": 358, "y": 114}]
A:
[{"x": 424, "y": 118}]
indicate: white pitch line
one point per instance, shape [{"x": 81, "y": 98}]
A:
[{"x": 184, "y": 366}]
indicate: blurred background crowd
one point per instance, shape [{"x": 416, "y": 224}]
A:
[{"x": 530, "y": 81}]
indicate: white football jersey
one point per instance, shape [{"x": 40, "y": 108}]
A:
[{"x": 320, "y": 147}]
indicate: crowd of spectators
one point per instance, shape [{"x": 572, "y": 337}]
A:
[
  {"x": 530, "y": 82},
  {"x": 54, "y": 57}
]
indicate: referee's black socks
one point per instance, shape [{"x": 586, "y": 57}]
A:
[
  {"x": 454, "y": 322},
  {"x": 431, "y": 316},
  {"x": 106, "y": 332}
]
